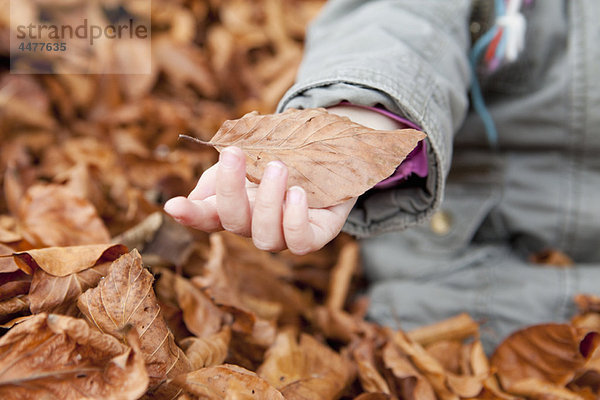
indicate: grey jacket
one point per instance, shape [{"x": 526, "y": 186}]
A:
[{"x": 540, "y": 190}]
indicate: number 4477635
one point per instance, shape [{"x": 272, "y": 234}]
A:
[{"x": 42, "y": 46}]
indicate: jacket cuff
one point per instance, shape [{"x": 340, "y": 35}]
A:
[{"x": 379, "y": 210}]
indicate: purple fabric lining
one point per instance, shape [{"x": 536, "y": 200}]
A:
[{"x": 414, "y": 163}]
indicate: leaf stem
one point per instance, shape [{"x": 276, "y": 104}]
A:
[{"x": 192, "y": 139}]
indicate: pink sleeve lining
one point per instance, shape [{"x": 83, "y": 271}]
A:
[{"x": 414, "y": 163}]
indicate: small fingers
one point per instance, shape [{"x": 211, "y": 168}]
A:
[
  {"x": 198, "y": 214},
  {"x": 298, "y": 233},
  {"x": 231, "y": 198},
  {"x": 267, "y": 215},
  {"x": 206, "y": 184}
]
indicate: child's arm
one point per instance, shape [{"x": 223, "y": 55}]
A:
[
  {"x": 276, "y": 219},
  {"x": 407, "y": 56}
]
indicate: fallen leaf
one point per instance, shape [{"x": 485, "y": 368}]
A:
[
  {"x": 448, "y": 353},
  {"x": 455, "y": 328},
  {"x": 534, "y": 388},
  {"x": 226, "y": 382},
  {"x": 331, "y": 157},
  {"x": 408, "y": 382},
  {"x": 52, "y": 356},
  {"x": 64, "y": 261},
  {"x": 587, "y": 303},
  {"x": 341, "y": 275},
  {"x": 7, "y": 264},
  {"x": 431, "y": 369},
  {"x": 373, "y": 396},
  {"x": 342, "y": 326},
  {"x": 550, "y": 353},
  {"x": 370, "y": 378},
  {"x": 7, "y": 236},
  {"x": 15, "y": 305},
  {"x": 209, "y": 351},
  {"x": 125, "y": 297},
  {"x": 14, "y": 284},
  {"x": 305, "y": 369},
  {"x": 201, "y": 316},
  {"x": 58, "y": 294},
  {"x": 51, "y": 215},
  {"x": 552, "y": 257}
]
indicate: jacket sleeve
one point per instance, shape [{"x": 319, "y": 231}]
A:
[{"x": 408, "y": 56}]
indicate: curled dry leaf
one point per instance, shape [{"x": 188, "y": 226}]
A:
[
  {"x": 342, "y": 326},
  {"x": 7, "y": 264},
  {"x": 370, "y": 378},
  {"x": 407, "y": 381},
  {"x": 305, "y": 369},
  {"x": 64, "y": 261},
  {"x": 550, "y": 353},
  {"x": 13, "y": 306},
  {"x": 455, "y": 328},
  {"x": 58, "y": 294},
  {"x": 331, "y": 157},
  {"x": 51, "y": 215},
  {"x": 433, "y": 371},
  {"x": 209, "y": 351},
  {"x": 587, "y": 303},
  {"x": 125, "y": 297},
  {"x": 13, "y": 281},
  {"x": 53, "y": 356},
  {"x": 373, "y": 396},
  {"x": 341, "y": 275},
  {"x": 14, "y": 284},
  {"x": 201, "y": 316},
  {"x": 226, "y": 382}
]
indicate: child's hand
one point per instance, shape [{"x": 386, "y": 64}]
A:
[{"x": 274, "y": 218}]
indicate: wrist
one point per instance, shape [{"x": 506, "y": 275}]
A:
[{"x": 366, "y": 117}]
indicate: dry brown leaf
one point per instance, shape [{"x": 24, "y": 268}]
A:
[
  {"x": 14, "y": 284},
  {"x": 125, "y": 297},
  {"x": 201, "y": 316},
  {"x": 341, "y": 275},
  {"x": 455, "y": 328},
  {"x": 587, "y": 303},
  {"x": 370, "y": 378},
  {"x": 252, "y": 288},
  {"x": 7, "y": 236},
  {"x": 448, "y": 353},
  {"x": 167, "y": 299},
  {"x": 340, "y": 325},
  {"x": 51, "y": 215},
  {"x": 305, "y": 369},
  {"x": 226, "y": 382},
  {"x": 52, "y": 356},
  {"x": 552, "y": 257},
  {"x": 331, "y": 157},
  {"x": 64, "y": 261},
  {"x": 408, "y": 382},
  {"x": 7, "y": 264},
  {"x": 184, "y": 64},
  {"x": 13, "y": 306},
  {"x": 209, "y": 351},
  {"x": 373, "y": 396},
  {"x": 550, "y": 353},
  {"x": 58, "y": 294},
  {"x": 426, "y": 364},
  {"x": 534, "y": 388}
]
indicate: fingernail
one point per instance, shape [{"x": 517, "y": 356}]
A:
[
  {"x": 295, "y": 195},
  {"x": 274, "y": 170},
  {"x": 227, "y": 158},
  {"x": 169, "y": 206}
]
